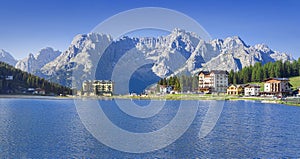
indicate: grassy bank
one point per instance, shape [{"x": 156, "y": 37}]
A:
[
  {"x": 294, "y": 102},
  {"x": 295, "y": 81},
  {"x": 287, "y": 101}
]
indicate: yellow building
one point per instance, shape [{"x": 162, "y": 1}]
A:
[{"x": 235, "y": 89}]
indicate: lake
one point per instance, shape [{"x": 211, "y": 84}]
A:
[{"x": 47, "y": 128}]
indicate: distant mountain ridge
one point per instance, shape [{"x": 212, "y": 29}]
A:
[
  {"x": 177, "y": 53},
  {"x": 33, "y": 64}
]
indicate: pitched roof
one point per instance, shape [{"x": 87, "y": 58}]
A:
[
  {"x": 204, "y": 72},
  {"x": 219, "y": 71},
  {"x": 238, "y": 85},
  {"x": 253, "y": 85},
  {"x": 213, "y": 71},
  {"x": 278, "y": 79}
]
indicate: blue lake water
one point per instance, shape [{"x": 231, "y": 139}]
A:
[{"x": 35, "y": 128}]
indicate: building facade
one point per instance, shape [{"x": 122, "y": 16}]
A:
[
  {"x": 165, "y": 89},
  {"x": 235, "y": 89},
  {"x": 97, "y": 87},
  {"x": 213, "y": 81},
  {"x": 39, "y": 91},
  {"x": 252, "y": 90},
  {"x": 277, "y": 86}
]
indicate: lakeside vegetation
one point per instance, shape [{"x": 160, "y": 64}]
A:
[
  {"x": 182, "y": 83},
  {"x": 286, "y": 101},
  {"x": 21, "y": 81},
  {"x": 252, "y": 74},
  {"x": 259, "y": 72}
]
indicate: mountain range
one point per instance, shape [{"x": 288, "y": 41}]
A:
[
  {"x": 32, "y": 63},
  {"x": 180, "y": 52}
]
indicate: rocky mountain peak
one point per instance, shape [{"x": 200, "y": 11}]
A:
[
  {"x": 262, "y": 47},
  {"x": 34, "y": 63},
  {"x": 31, "y": 56},
  {"x": 234, "y": 42},
  {"x": 7, "y": 57},
  {"x": 47, "y": 54}
]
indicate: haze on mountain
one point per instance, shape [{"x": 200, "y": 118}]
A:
[{"x": 180, "y": 52}]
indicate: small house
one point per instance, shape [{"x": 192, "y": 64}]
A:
[
  {"x": 39, "y": 91},
  {"x": 252, "y": 90},
  {"x": 165, "y": 89},
  {"x": 235, "y": 89}
]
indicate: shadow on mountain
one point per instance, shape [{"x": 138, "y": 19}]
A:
[{"x": 142, "y": 78}]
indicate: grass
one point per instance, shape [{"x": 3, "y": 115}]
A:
[{"x": 295, "y": 81}]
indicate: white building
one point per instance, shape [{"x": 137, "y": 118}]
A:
[
  {"x": 252, "y": 90},
  {"x": 213, "y": 81},
  {"x": 97, "y": 87},
  {"x": 165, "y": 89},
  {"x": 39, "y": 91},
  {"x": 9, "y": 78},
  {"x": 277, "y": 86}
]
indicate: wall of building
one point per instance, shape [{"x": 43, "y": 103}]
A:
[
  {"x": 252, "y": 91},
  {"x": 217, "y": 82}
]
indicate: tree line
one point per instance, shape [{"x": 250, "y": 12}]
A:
[
  {"x": 259, "y": 72},
  {"x": 256, "y": 73},
  {"x": 182, "y": 83},
  {"x": 22, "y": 80}
]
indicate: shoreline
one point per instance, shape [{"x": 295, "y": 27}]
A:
[
  {"x": 4, "y": 96},
  {"x": 164, "y": 97}
]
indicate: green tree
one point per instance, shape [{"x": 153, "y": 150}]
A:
[
  {"x": 195, "y": 82},
  {"x": 177, "y": 86},
  {"x": 164, "y": 83},
  {"x": 230, "y": 77}
]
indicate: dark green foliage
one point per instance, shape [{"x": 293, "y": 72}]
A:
[
  {"x": 259, "y": 72},
  {"x": 182, "y": 83},
  {"x": 23, "y": 80}
]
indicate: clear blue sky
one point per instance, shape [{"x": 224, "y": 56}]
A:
[{"x": 29, "y": 25}]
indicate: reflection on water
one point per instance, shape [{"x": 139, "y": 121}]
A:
[{"x": 32, "y": 128}]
